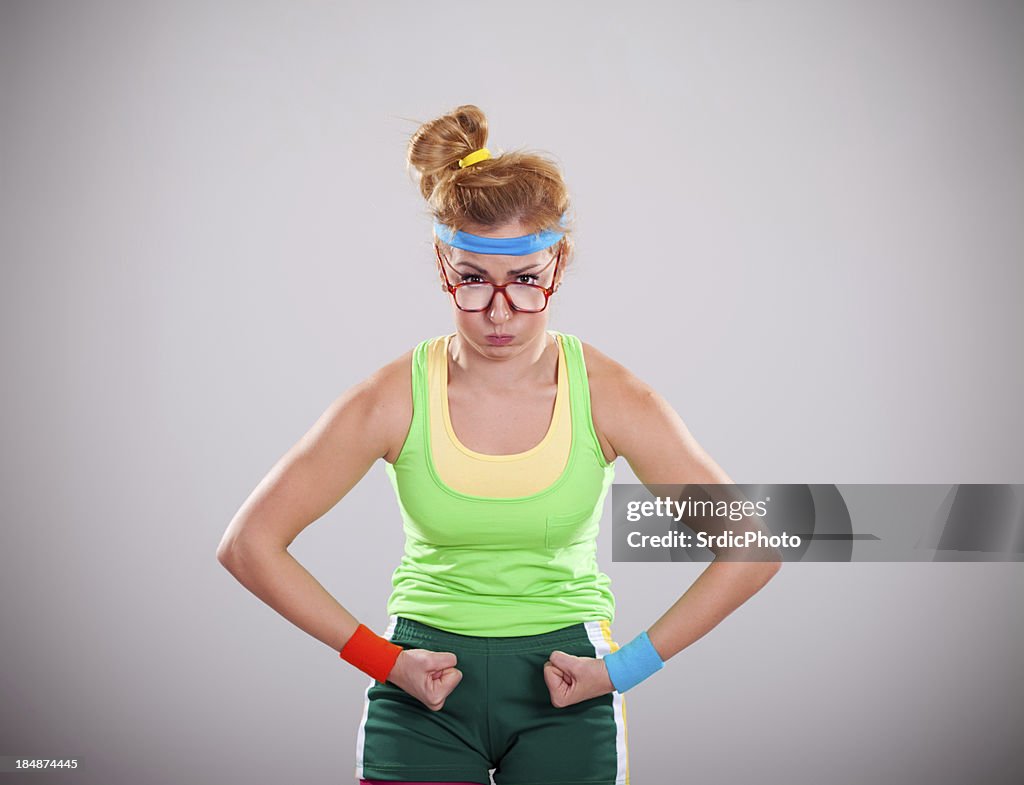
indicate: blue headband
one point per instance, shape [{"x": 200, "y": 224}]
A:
[{"x": 510, "y": 246}]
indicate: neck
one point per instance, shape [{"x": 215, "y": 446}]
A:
[{"x": 531, "y": 365}]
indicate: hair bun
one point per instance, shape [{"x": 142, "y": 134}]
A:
[
  {"x": 438, "y": 145},
  {"x": 516, "y": 186}
]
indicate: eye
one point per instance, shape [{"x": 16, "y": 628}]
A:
[
  {"x": 529, "y": 278},
  {"x": 470, "y": 277}
]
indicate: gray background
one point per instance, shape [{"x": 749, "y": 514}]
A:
[{"x": 798, "y": 221}]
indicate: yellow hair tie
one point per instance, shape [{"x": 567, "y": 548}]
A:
[{"x": 477, "y": 155}]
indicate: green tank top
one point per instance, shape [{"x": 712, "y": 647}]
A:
[{"x": 495, "y": 565}]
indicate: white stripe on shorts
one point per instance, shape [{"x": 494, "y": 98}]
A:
[
  {"x": 361, "y": 736},
  {"x": 603, "y": 647}
]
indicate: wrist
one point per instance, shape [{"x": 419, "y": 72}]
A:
[
  {"x": 634, "y": 662},
  {"x": 373, "y": 655}
]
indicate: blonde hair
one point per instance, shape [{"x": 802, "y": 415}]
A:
[{"x": 511, "y": 186}]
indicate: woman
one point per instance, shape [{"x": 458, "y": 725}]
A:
[{"x": 500, "y": 441}]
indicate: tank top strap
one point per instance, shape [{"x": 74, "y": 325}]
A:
[
  {"x": 579, "y": 397},
  {"x": 420, "y": 389}
]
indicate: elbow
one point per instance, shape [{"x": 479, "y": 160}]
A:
[
  {"x": 230, "y": 550},
  {"x": 774, "y": 563},
  {"x": 232, "y": 553},
  {"x": 234, "y": 559},
  {"x": 224, "y": 554}
]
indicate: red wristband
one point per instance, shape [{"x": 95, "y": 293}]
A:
[{"x": 373, "y": 655}]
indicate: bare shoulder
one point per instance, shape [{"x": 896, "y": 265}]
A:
[
  {"x": 372, "y": 411},
  {"x": 641, "y": 426},
  {"x": 614, "y": 389},
  {"x": 612, "y": 375},
  {"x": 389, "y": 396}
]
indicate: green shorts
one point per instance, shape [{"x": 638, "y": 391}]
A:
[{"x": 498, "y": 717}]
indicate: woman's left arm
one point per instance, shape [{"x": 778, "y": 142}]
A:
[
  {"x": 644, "y": 429},
  {"x": 641, "y": 426}
]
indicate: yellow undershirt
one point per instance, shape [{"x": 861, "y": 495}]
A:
[{"x": 479, "y": 474}]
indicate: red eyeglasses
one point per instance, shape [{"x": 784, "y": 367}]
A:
[{"x": 475, "y": 296}]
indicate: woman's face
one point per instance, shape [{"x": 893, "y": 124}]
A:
[{"x": 517, "y": 329}]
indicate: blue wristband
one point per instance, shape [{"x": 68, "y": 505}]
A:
[{"x": 633, "y": 663}]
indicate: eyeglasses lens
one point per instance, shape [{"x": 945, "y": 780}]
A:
[{"x": 475, "y": 297}]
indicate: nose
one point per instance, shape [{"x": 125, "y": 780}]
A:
[{"x": 500, "y": 309}]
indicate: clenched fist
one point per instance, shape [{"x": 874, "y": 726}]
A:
[
  {"x": 429, "y": 676},
  {"x": 573, "y": 679}
]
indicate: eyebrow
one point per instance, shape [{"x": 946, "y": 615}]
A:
[{"x": 510, "y": 272}]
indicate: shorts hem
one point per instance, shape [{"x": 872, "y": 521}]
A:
[
  {"x": 423, "y": 773},
  {"x": 568, "y": 782}
]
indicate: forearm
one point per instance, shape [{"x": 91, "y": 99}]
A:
[
  {"x": 720, "y": 589},
  {"x": 281, "y": 582}
]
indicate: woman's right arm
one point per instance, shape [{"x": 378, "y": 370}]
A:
[
  {"x": 367, "y": 422},
  {"x": 313, "y": 476}
]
